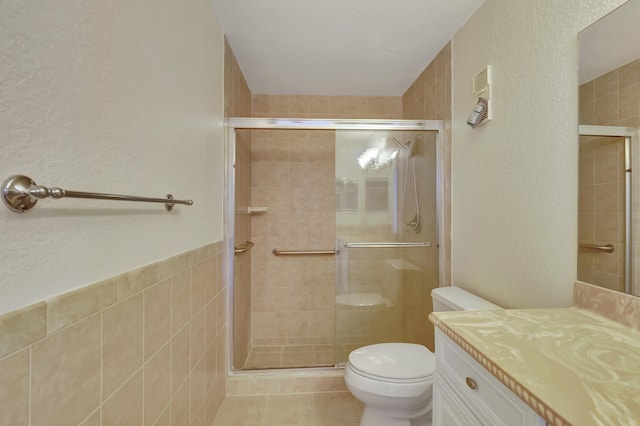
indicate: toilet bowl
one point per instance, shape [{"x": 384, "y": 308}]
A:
[{"x": 395, "y": 380}]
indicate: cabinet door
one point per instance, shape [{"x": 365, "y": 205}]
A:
[
  {"x": 448, "y": 409},
  {"x": 484, "y": 395}
]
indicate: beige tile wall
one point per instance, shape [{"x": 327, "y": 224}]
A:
[
  {"x": 613, "y": 99},
  {"x": 601, "y": 217},
  {"x": 429, "y": 98},
  {"x": 293, "y": 297},
  {"x": 305, "y": 106},
  {"x": 237, "y": 97},
  {"x": 143, "y": 348}
]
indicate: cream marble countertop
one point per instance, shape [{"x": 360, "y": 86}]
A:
[{"x": 571, "y": 365}]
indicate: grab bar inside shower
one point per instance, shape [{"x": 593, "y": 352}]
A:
[
  {"x": 243, "y": 247},
  {"x": 279, "y": 252},
  {"x": 601, "y": 247},
  {"x": 386, "y": 245}
]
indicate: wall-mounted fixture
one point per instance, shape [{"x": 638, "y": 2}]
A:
[
  {"x": 479, "y": 114},
  {"x": 482, "y": 92},
  {"x": 20, "y": 194}
]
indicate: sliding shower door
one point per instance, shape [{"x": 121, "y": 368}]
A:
[
  {"x": 386, "y": 233},
  {"x": 292, "y": 214},
  {"x": 335, "y": 239}
]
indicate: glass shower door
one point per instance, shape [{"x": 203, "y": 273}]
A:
[
  {"x": 604, "y": 222},
  {"x": 386, "y": 233}
]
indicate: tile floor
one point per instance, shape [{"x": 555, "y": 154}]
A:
[
  {"x": 292, "y": 356},
  {"x": 313, "y": 409}
]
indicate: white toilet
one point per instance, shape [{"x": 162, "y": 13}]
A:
[{"x": 395, "y": 380}]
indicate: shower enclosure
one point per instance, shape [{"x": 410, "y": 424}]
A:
[
  {"x": 334, "y": 227},
  {"x": 606, "y": 231}
]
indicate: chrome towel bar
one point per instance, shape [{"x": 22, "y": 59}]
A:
[
  {"x": 601, "y": 247},
  {"x": 386, "y": 245},
  {"x": 20, "y": 193},
  {"x": 279, "y": 252},
  {"x": 243, "y": 247}
]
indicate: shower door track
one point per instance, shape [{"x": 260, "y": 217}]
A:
[
  {"x": 327, "y": 124},
  {"x": 249, "y": 123}
]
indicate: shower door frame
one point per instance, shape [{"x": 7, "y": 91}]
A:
[
  {"x": 630, "y": 135},
  {"x": 248, "y": 123}
]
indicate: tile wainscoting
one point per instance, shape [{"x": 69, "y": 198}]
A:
[{"x": 147, "y": 347}]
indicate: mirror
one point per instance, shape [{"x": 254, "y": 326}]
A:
[{"x": 609, "y": 117}]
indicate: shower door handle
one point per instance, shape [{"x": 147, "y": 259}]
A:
[
  {"x": 386, "y": 245},
  {"x": 279, "y": 252}
]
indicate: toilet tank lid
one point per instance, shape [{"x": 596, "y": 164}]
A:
[
  {"x": 460, "y": 300},
  {"x": 394, "y": 360}
]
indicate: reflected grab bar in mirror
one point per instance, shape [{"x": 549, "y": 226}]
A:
[
  {"x": 243, "y": 247},
  {"x": 386, "y": 245},
  {"x": 606, "y": 247},
  {"x": 279, "y": 252}
]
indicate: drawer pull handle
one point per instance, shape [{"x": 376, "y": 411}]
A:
[{"x": 471, "y": 383}]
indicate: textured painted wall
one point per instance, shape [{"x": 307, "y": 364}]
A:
[
  {"x": 107, "y": 96},
  {"x": 514, "y": 193}
]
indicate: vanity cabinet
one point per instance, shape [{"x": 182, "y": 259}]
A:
[{"x": 466, "y": 394}]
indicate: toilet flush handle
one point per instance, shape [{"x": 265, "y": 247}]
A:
[{"x": 471, "y": 383}]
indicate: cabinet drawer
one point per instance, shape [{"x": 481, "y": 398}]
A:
[{"x": 491, "y": 400}]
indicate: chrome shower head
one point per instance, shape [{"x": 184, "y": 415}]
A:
[{"x": 376, "y": 159}]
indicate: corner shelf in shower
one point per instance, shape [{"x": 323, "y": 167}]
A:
[{"x": 257, "y": 210}]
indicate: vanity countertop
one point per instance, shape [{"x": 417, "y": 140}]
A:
[{"x": 571, "y": 365}]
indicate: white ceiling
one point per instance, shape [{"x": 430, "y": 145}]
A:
[
  {"x": 611, "y": 42},
  {"x": 338, "y": 47}
]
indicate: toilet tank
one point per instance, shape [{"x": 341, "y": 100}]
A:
[{"x": 457, "y": 299}]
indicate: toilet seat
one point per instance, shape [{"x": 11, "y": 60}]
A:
[
  {"x": 389, "y": 380},
  {"x": 360, "y": 384},
  {"x": 393, "y": 362}
]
